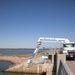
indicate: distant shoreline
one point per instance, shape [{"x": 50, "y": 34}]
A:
[
  {"x": 17, "y": 48},
  {"x": 22, "y": 48}
]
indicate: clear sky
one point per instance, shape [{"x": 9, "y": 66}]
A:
[{"x": 22, "y": 22}]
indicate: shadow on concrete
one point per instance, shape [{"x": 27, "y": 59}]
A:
[
  {"x": 70, "y": 58},
  {"x": 54, "y": 66},
  {"x": 44, "y": 73}
]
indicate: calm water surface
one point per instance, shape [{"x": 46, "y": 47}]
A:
[{"x": 15, "y": 52}]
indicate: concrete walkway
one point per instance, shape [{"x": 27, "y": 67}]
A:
[{"x": 71, "y": 64}]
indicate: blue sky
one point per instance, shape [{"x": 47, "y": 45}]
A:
[{"x": 22, "y": 22}]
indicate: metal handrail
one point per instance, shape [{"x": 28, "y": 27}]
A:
[{"x": 64, "y": 69}]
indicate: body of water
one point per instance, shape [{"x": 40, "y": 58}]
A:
[
  {"x": 16, "y": 52},
  {"x": 4, "y": 64}
]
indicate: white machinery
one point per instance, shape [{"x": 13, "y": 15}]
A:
[
  {"x": 69, "y": 49},
  {"x": 66, "y": 46}
]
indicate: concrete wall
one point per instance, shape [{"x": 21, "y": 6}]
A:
[
  {"x": 25, "y": 69},
  {"x": 46, "y": 67},
  {"x": 58, "y": 58}
]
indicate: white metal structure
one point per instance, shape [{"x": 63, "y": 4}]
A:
[{"x": 40, "y": 40}]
